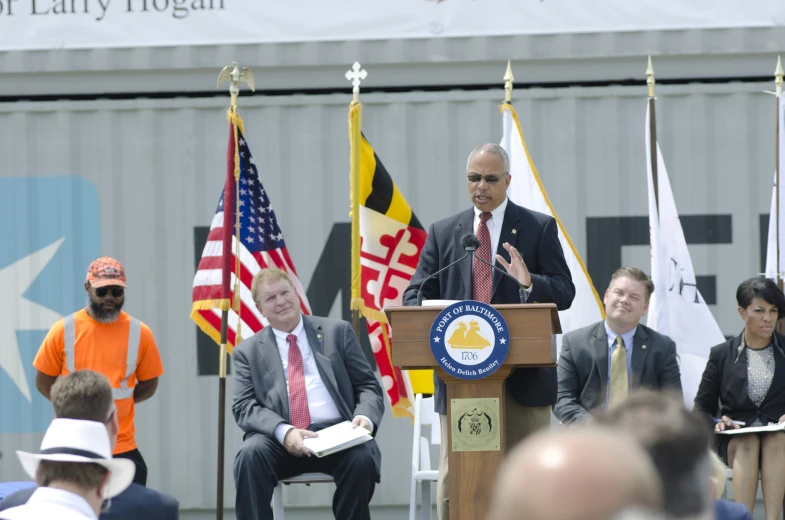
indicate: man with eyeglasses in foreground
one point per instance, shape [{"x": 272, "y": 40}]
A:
[
  {"x": 526, "y": 244},
  {"x": 103, "y": 338},
  {"x": 86, "y": 395}
]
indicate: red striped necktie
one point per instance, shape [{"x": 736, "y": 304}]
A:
[{"x": 300, "y": 416}]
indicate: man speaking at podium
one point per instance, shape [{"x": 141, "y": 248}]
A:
[{"x": 527, "y": 247}]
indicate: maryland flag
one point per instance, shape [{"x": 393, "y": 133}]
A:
[{"x": 391, "y": 239}]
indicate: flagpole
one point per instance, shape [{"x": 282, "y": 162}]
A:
[
  {"x": 653, "y": 134},
  {"x": 234, "y": 75},
  {"x": 355, "y": 75},
  {"x": 778, "y": 80}
]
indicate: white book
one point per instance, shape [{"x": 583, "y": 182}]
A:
[
  {"x": 337, "y": 438},
  {"x": 771, "y": 427}
]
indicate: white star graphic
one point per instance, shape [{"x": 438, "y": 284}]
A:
[
  {"x": 436, "y": 339},
  {"x": 19, "y": 313},
  {"x": 503, "y": 341}
]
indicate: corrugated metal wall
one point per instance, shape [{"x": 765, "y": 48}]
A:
[
  {"x": 157, "y": 167},
  {"x": 607, "y": 56}
]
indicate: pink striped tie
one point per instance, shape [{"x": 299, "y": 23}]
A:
[{"x": 300, "y": 416}]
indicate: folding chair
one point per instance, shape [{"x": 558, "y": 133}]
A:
[
  {"x": 305, "y": 478},
  {"x": 421, "y": 458}
]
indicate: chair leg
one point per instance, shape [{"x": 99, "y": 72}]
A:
[
  {"x": 425, "y": 506},
  {"x": 278, "y": 502},
  {"x": 412, "y": 499}
]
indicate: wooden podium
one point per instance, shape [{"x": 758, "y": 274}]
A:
[{"x": 532, "y": 330}]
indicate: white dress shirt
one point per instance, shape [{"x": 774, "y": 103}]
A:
[
  {"x": 495, "y": 229},
  {"x": 321, "y": 406},
  {"x": 46, "y": 503}
]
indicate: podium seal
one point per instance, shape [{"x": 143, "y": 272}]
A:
[
  {"x": 475, "y": 424},
  {"x": 470, "y": 340}
]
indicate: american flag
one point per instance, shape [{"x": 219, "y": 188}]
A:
[{"x": 261, "y": 245}]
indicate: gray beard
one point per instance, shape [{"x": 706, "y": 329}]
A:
[{"x": 102, "y": 316}]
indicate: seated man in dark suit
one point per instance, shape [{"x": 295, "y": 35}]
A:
[
  {"x": 87, "y": 395},
  {"x": 595, "y": 373},
  {"x": 293, "y": 378}
]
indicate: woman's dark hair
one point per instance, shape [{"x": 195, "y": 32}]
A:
[{"x": 763, "y": 288}]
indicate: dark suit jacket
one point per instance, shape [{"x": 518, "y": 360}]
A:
[
  {"x": 136, "y": 502},
  {"x": 727, "y": 510},
  {"x": 535, "y": 235},
  {"x": 723, "y": 387},
  {"x": 261, "y": 401},
  {"x": 583, "y": 368}
]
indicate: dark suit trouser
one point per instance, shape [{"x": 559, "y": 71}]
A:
[
  {"x": 140, "y": 477},
  {"x": 262, "y": 462}
]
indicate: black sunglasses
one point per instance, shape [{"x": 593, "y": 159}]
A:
[
  {"x": 490, "y": 179},
  {"x": 116, "y": 291}
]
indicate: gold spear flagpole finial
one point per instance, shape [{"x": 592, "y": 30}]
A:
[
  {"x": 650, "y": 78},
  {"x": 356, "y": 75},
  {"x": 778, "y": 75},
  {"x": 508, "y": 81}
]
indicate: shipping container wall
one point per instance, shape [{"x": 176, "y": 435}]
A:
[{"x": 137, "y": 179}]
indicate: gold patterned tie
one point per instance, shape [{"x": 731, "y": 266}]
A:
[{"x": 619, "y": 384}]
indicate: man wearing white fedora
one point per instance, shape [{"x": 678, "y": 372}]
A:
[
  {"x": 75, "y": 473},
  {"x": 87, "y": 395}
]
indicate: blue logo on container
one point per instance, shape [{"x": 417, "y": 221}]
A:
[
  {"x": 470, "y": 340},
  {"x": 51, "y": 232}
]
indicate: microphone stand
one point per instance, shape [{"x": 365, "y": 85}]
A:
[{"x": 419, "y": 291}]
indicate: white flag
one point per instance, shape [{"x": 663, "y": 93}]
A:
[
  {"x": 771, "y": 242},
  {"x": 677, "y": 308},
  {"x": 526, "y": 190},
  {"x": 771, "y": 249}
]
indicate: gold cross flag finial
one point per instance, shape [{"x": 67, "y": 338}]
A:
[
  {"x": 650, "y": 78},
  {"x": 778, "y": 74},
  {"x": 356, "y": 75}
]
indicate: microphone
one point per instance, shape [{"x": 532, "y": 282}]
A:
[
  {"x": 521, "y": 290},
  {"x": 469, "y": 243}
]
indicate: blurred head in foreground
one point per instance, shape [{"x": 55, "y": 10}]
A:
[
  {"x": 677, "y": 442},
  {"x": 579, "y": 474}
]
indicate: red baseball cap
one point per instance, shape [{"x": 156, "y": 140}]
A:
[{"x": 106, "y": 271}]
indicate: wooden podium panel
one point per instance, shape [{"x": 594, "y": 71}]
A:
[
  {"x": 532, "y": 335},
  {"x": 532, "y": 330}
]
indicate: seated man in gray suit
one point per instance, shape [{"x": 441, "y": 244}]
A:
[
  {"x": 295, "y": 377},
  {"x": 594, "y": 372}
]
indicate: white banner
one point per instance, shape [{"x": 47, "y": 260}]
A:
[{"x": 73, "y": 24}]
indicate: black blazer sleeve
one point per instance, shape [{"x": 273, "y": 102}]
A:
[
  {"x": 426, "y": 266},
  {"x": 707, "y": 398},
  {"x": 553, "y": 282},
  {"x": 669, "y": 376}
]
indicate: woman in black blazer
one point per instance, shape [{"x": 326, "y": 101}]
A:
[{"x": 744, "y": 381}]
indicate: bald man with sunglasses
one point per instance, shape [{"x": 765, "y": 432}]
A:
[
  {"x": 526, "y": 244},
  {"x": 103, "y": 338}
]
